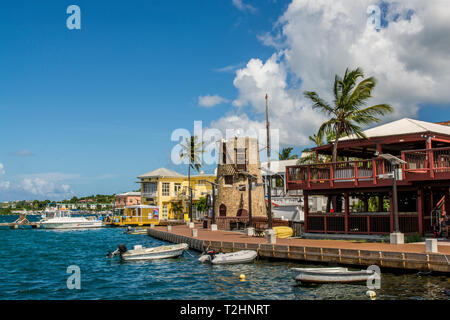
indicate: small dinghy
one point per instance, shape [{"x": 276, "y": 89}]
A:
[
  {"x": 141, "y": 253},
  {"x": 244, "y": 256},
  {"x": 330, "y": 275},
  {"x": 135, "y": 231}
]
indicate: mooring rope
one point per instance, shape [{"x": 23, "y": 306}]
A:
[{"x": 446, "y": 259}]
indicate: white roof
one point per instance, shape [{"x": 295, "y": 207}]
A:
[
  {"x": 277, "y": 166},
  {"x": 131, "y": 193},
  {"x": 161, "y": 172},
  {"x": 141, "y": 206},
  {"x": 402, "y": 126}
]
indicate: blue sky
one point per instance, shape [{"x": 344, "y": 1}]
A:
[
  {"x": 86, "y": 111},
  {"x": 99, "y": 104}
]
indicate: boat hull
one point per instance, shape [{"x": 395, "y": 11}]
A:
[
  {"x": 245, "y": 256},
  {"x": 148, "y": 254},
  {"x": 338, "y": 275},
  {"x": 72, "y": 225}
]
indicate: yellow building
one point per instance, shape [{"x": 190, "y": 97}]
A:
[{"x": 168, "y": 190}]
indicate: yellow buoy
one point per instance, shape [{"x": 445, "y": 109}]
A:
[
  {"x": 371, "y": 294},
  {"x": 242, "y": 277}
]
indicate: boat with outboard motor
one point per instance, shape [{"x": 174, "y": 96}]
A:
[
  {"x": 141, "y": 253},
  {"x": 53, "y": 218},
  {"x": 243, "y": 256},
  {"x": 331, "y": 275}
]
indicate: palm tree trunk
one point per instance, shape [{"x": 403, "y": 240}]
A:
[
  {"x": 189, "y": 190},
  {"x": 333, "y": 199}
]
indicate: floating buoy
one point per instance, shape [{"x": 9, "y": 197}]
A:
[
  {"x": 242, "y": 277},
  {"x": 371, "y": 294}
]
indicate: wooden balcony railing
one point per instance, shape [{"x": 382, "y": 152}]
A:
[
  {"x": 420, "y": 164},
  {"x": 375, "y": 223}
]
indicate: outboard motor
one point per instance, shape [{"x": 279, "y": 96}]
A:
[
  {"x": 208, "y": 255},
  {"x": 120, "y": 250}
]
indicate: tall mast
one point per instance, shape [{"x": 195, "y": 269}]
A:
[{"x": 269, "y": 188}]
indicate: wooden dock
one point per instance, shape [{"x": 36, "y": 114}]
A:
[
  {"x": 13, "y": 225},
  {"x": 384, "y": 255},
  {"x": 22, "y": 221}
]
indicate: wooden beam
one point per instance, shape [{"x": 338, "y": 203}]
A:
[
  {"x": 305, "y": 211},
  {"x": 347, "y": 210},
  {"x": 419, "y": 207}
]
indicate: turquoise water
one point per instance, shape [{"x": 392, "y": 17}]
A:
[{"x": 34, "y": 265}]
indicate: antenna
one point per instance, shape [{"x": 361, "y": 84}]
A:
[{"x": 269, "y": 188}]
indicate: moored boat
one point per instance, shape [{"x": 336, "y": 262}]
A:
[
  {"x": 135, "y": 230},
  {"x": 62, "y": 219},
  {"x": 140, "y": 253},
  {"x": 330, "y": 275},
  {"x": 243, "y": 256}
]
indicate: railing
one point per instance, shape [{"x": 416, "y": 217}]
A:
[
  {"x": 331, "y": 173},
  {"x": 420, "y": 164},
  {"x": 430, "y": 161},
  {"x": 149, "y": 194},
  {"x": 376, "y": 223}
]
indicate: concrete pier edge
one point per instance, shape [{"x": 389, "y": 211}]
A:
[{"x": 384, "y": 259}]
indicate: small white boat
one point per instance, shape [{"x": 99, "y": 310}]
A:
[
  {"x": 330, "y": 275},
  {"x": 135, "y": 231},
  {"x": 62, "y": 219},
  {"x": 243, "y": 256},
  {"x": 141, "y": 253}
]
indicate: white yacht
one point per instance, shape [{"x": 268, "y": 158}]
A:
[{"x": 53, "y": 218}]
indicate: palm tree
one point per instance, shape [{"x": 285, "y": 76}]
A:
[
  {"x": 347, "y": 114},
  {"x": 177, "y": 208},
  {"x": 192, "y": 150},
  {"x": 286, "y": 154}
]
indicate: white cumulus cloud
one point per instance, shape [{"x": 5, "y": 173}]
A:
[
  {"x": 240, "y": 5},
  {"x": 211, "y": 101},
  {"x": 315, "y": 39}
]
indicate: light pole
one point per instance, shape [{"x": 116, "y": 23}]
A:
[
  {"x": 396, "y": 237},
  {"x": 213, "y": 186},
  {"x": 250, "y": 222}
]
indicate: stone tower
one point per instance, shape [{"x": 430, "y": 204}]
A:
[{"x": 238, "y": 156}]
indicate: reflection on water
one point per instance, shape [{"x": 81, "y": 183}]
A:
[{"x": 35, "y": 261}]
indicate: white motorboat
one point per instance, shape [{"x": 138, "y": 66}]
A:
[
  {"x": 330, "y": 275},
  {"x": 141, "y": 253},
  {"x": 53, "y": 218},
  {"x": 244, "y": 256}
]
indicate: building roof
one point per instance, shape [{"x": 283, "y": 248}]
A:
[
  {"x": 131, "y": 193},
  {"x": 161, "y": 172},
  {"x": 400, "y": 127},
  {"x": 277, "y": 166}
]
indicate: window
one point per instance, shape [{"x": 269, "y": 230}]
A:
[
  {"x": 150, "y": 187},
  {"x": 240, "y": 158},
  {"x": 177, "y": 188},
  {"x": 164, "y": 212},
  {"x": 223, "y": 210},
  {"x": 165, "y": 189},
  {"x": 228, "y": 179}
]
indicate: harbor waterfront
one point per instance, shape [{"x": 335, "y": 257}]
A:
[
  {"x": 407, "y": 256},
  {"x": 37, "y": 262}
]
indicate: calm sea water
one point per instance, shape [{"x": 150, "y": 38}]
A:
[{"x": 34, "y": 265}]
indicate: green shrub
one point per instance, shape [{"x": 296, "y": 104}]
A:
[{"x": 414, "y": 238}]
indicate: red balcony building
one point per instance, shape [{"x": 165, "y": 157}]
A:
[{"x": 361, "y": 196}]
